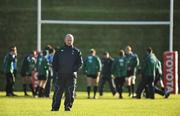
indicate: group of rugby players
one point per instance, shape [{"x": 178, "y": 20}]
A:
[{"x": 116, "y": 71}]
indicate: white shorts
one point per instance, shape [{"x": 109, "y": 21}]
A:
[{"x": 133, "y": 77}]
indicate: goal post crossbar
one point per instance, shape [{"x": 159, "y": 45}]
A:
[
  {"x": 82, "y": 22},
  {"x": 169, "y": 23}
]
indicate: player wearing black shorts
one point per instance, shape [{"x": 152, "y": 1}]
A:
[
  {"x": 92, "y": 68},
  {"x": 43, "y": 70},
  {"x": 132, "y": 61},
  {"x": 28, "y": 66}
]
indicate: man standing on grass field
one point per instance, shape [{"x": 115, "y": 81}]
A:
[
  {"x": 119, "y": 72},
  {"x": 8, "y": 67},
  {"x": 149, "y": 67},
  {"x": 28, "y": 66},
  {"x": 106, "y": 74},
  {"x": 158, "y": 82},
  {"x": 66, "y": 62},
  {"x": 132, "y": 61},
  {"x": 92, "y": 69}
]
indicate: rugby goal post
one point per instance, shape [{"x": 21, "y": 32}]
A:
[
  {"x": 41, "y": 21},
  {"x": 170, "y": 70}
]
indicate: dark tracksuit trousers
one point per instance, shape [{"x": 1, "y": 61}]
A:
[
  {"x": 111, "y": 85},
  {"x": 148, "y": 82},
  {"x": 157, "y": 90},
  {"x": 65, "y": 83},
  {"x": 160, "y": 91},
  {"x": 119, "y": 82},
  {"x": 48, "y": 86},
  {"x": 9, "y": 83}
]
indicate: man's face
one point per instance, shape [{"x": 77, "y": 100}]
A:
[
  {"x": 106, "y": 55},
  {"x": 15, "y": 50},
  {"x": 69, "y": 40},
  {"x": 128, "y": 50}
]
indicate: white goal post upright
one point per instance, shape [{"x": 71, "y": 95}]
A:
[
  {"x": 81, "y": 22},
  {"x": 171, "y": 26},
  {"x": 39, "y": 26}
]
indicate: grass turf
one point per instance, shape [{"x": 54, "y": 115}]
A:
[{"x": 103, "y": 106}]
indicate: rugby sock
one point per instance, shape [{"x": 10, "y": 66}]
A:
[
  {"x": 40, "y": 91},
  {"x": 31, "y": 87},
  {"x": 120, "y": 95},
  {"x": 95, "y": 90},
  {"x": 132, "y": 88},
  {"x": 25, "y": 89},
  {"x": 37, "y": 90},
  {"x": 88, "y": 91},
  {"x": 129, "y": 90},
  {"x": 162, "y": 88}
]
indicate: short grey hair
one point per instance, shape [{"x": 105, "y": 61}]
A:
[{"x": 69, "y": 35}]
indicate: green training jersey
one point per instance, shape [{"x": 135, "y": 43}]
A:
[
  {"x": 119, "y": 67},
  {"x": 9, "y": 63},
  {"x": 28, "y": 65},
  {"x": 149, "y": 65},
  {"x": 42, "y": 66},
  {"x": 132, "y": 62},
  {"x": 92, "y": 65}
]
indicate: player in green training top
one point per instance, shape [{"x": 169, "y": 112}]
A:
[
  {"x": 151, "y": 74},
  {"x": 92, "y": 68},
  {"x": 149, "y": 67},
  {"x": 132, "y": 61},
  {"x": 43, "y": 72},
  {"x": 119, "y": 72},
  {"x": 8, "y": 67},
  {"x": 28, "y": 66}
]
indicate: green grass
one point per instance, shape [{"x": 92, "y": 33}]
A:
[{"x": 103, "y": 106}]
